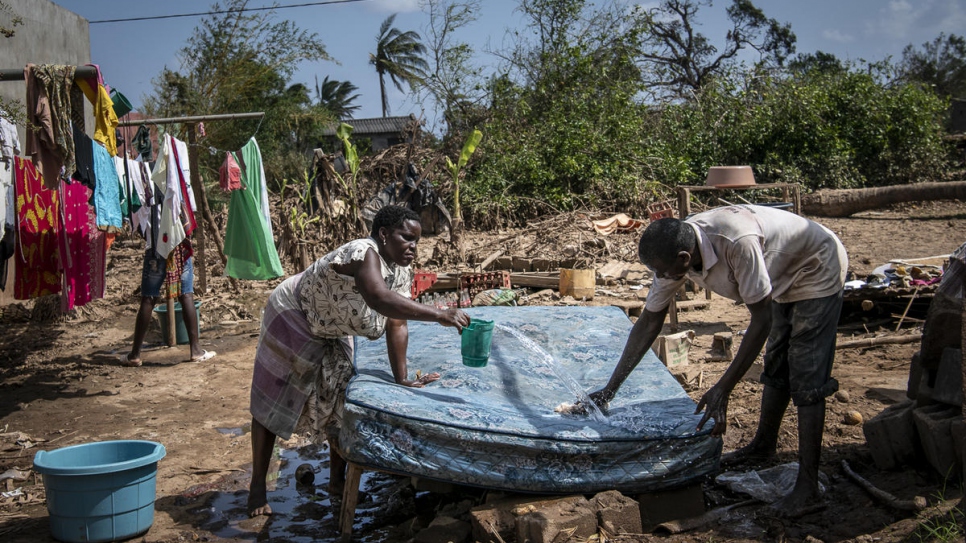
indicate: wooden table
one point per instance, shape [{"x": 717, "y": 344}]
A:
[{"x": 791, "y": 192}]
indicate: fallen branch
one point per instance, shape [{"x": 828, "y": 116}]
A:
[
  {"x": 914, "y": 505},
  {"x": 882, "y": 340},
  {"x": 693, "y": 523}
]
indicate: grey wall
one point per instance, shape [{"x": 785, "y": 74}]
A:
[{"x": 49, "y": 34}]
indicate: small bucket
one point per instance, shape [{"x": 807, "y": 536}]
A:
[
  {"x": 578, "y": 283},
  {"x": 122, "y": 106},
  {"x": 101, "y": 491},
  {"x": 476, "y": 339},
  {"x": 180, "y": 330}
]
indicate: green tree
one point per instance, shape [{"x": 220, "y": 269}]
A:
[
  {"x": 565, "y": 128},
  {"x": 455, "y": 87},
  {"x": 681, "y": 60},
  {"x": 817, "y": 61},
  {"x": 337, "y": 97},
  {"x": 238, "y": 62},
  {"x": 940, "y": 64},
  {"x": 399, "y": 55}
]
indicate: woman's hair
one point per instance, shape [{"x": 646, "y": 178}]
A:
[
  {"x": 392, "y": 217},
  {"x": 663, "y": 239}
]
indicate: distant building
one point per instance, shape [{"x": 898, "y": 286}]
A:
[{"x": 381, "y": 132}]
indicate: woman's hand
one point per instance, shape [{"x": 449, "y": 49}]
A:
[
  {"x": 456, "y": 318},
  {"x": 602, "y": 397},
  {"x": 421, "y": 381}
]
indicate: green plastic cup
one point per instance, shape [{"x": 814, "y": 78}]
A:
[{"x": 476, "y": 339}]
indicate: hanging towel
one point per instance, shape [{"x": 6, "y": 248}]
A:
[
  {"x": 249, "y": 244},
  {"x": 50, "y": 141},
  {"x": 229, "y": 174},
  {"x": 107, "y": 195},
  {"x": 36, "y": 266},
  {"x": 177, "y": 221}
]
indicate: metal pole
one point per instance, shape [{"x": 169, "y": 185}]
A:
[
  {"x": 16, "y": 74},
  {"x": 194, "y": 119}
]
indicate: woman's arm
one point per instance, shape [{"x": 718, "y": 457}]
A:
[
  {"x": 377, "y": 295},
  {"x": 397, "y": 340}
]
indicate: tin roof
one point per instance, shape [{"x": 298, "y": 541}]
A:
[{"x": 376, "y": 125}]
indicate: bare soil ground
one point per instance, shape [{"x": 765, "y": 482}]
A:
[{"x": 62, "y": 385}]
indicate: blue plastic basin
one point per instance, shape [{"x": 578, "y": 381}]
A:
[{"x": 101, "y": 491}]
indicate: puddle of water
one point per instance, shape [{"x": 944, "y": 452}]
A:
[
  {"x": 235, "y": 432},
  {"x": 301, "y": 513},
  {"x": 564, "y": 377}
]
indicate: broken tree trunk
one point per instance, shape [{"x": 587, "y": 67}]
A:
[{"x": 842, "y": 203}]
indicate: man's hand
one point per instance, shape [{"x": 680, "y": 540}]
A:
[
  {"x": 715, "y": 405},
  {"x": 421, "y": 381},
  {"x": 602, "y": 397}
]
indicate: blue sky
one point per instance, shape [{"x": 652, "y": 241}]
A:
[{"x": 131, "y": 54}]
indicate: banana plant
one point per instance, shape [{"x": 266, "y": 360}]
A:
[
  {"x": 352, "y": 160},
  {"x": 468, "y": 148}
]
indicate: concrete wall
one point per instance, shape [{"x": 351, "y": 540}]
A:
[{"x": 49, "y": 34}]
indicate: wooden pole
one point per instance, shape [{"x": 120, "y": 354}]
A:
[
  {"x": 199, "y": 190},
  {"x": 172, "y": 338}
]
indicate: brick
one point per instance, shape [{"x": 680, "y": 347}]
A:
[
  {"x": 541, "y": 264},
  {"x": 948, "y": 387},
  {"x": 444, "y": 529},
  {"x": 892, "y": 437},
  {"x": 933, "y": 424},
  {"x": 521, "y": 264},
  {"x": 494, "y": 521},
  {"x": 616, "y": 513},
  {"x": 502, "y": 263},
  {"x": 565, "y": 519},
  {"x": 658, "y": 507}
]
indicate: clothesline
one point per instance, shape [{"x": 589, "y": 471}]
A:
[{"x": 260, "y": 115}]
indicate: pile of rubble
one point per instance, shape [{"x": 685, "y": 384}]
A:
[{"x": 929, "y": 425}]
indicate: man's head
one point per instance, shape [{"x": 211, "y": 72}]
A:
[{"x": 666, "y": 246}]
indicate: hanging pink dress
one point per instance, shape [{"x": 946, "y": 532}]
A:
[{"x": 82, "y": 248}]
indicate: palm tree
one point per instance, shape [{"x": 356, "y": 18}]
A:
[
  {"x": 337, "y": 97},
  {"x": 398, "y": 54}
]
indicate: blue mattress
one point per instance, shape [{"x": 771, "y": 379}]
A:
[{"x": 495, "y": 427}]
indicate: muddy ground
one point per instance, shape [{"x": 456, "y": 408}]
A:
[{"x": 62, "y": 385}]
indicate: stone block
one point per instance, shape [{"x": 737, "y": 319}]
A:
[
  {"x": 915, "y": 376},
  {"x": 521, "y": 264},
  {"x": 554, "y": 521},
  {"x": 444, "y": 529},
  {"x": 665, "y": 505},
  {"x": 616, "y": 513},
  {"x": 502, "y": 263},
  {"x": 495, "y": 520},
  {"x": 933, "y": 424},
  {"x": 948, "y": 387},
  {"x": 891, "y": 436},
  {"x": 541, "y": 264},
  {"x": 957, "y": 431}
]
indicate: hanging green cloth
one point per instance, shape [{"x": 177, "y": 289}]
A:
[{"x": 249, "y": 243}]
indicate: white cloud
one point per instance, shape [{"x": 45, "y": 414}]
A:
[
  {"x": 906, "y": 20},
  {"x": 396, "y": 6},
  {"x": 836, "y": 35}
]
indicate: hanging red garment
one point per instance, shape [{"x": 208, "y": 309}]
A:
[
  {"x": 229, "y": 175},
  {"x": 82, "y": 248},
  {"x": 36, "y": 264}
]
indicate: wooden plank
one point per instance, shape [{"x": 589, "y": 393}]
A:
[{"x": 350, "y": 498}]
